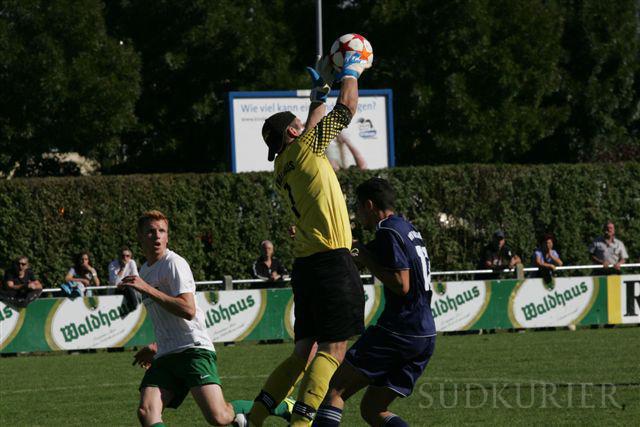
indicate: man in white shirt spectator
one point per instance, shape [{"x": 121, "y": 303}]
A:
[
  {"x": 120, "y": 268},
  {"x": 608, "y": 251}
]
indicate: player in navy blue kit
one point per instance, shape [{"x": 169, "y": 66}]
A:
[{"x": 389, "y": 357}]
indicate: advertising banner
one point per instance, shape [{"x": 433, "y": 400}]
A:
[
  {"x": 10, "y": 323},
  {"x": 232, "y": 316},
  {"x": 94, "y": 322},
  {"x": 264, "y": 314},
  {"x": 367, "y": 142},
  {"x": 457, "y": 306},
  {"x": 623, "y": 299},
  {"x": 565, "y": 301}
]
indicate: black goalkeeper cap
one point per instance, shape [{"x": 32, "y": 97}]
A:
[{"x": 273, "y": 131}]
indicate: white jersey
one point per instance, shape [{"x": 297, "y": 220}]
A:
[{"x": 171, "y": 274}]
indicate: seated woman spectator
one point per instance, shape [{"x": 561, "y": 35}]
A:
[
  {"x": 81, "y": 275},
  {"x": 20, "y": 284},
  {"x": 546, "y": 258}
]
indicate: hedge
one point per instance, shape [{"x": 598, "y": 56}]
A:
[{"x": 218, "y": 220}]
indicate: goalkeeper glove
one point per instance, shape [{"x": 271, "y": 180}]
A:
[
  {"x": 320, "y": 89},
  {"x": 353, "y": 67}
]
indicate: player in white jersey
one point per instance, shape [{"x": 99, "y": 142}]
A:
[{"x": 183, "y": 358}]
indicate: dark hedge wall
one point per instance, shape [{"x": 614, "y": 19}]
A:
[{"x": 218, "y": 220}]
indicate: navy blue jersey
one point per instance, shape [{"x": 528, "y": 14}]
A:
[{"x": 399, "y": 246}]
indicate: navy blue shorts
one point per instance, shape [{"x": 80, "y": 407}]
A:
[{"x": 391, "y": 360}]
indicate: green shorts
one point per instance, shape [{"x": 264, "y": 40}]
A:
[{"x": 178, "y": 372}]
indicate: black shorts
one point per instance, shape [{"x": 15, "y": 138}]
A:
[
  {"x": 328, "y": 297},
  {"x": 391, "y": 360}
]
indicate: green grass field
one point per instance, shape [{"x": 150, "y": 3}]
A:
[{"x": 551, "y": 377}]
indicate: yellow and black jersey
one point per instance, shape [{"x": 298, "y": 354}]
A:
[{"x": 307, "y": 180}]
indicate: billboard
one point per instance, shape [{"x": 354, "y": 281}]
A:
[
  {"x": 367, "y": 143},
  {"x": 261, "y": 314}
]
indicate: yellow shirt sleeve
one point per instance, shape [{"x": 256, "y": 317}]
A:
[{"x": 319, "y": 138}]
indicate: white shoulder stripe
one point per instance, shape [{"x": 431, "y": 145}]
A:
[{"x": 392, "y": 229}]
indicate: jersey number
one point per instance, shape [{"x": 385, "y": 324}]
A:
[
  {"x": 293, "y": 202},
  {"x": 426, "y": 268}
]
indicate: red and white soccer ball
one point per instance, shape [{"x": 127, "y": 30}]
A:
[{"x": 350, "y": 43}]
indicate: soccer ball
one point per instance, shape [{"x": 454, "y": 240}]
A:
[{"x": 350, "y": 43}]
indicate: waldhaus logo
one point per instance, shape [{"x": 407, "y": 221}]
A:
[
  {"x": 93, "y": 322},
  {"x": 6, "y": 313},
  {"x": 452, "y": 303},
  {"x": 217, "y": 314},
  {"x": 552, "y": 302}
]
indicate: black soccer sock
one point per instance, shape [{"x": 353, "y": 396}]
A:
[
  {"x": 328, "y": 416},
  {"x": 394, "y": 421}
]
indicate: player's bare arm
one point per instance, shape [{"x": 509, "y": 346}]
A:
[
  {"x": 349, "y": 94},
  {"x": 317, "y": 111},
  {"x": 321, "y": 87},
  {"x": 396, "y": 280},
  {"x": 182, "y": 305},
  {"x": 349, "y": 99}
]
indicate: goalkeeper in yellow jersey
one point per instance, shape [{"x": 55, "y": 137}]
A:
[{"x": 328, "y": 293}]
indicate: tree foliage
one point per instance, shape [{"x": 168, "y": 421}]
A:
[
  {"x": 193, "y": 54},
  {"x": 141, "y": 86},
  {"x": 66, "y": 85}
]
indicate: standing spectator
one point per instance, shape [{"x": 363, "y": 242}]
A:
[
  {"x": 20, "y": 284},
  {"x": 267, "y": 267},
  {"x": 120, "y": 268},
  {"x": 608, "y": 251},
  {"x": 546, "y": 258},
  {"x": 81, "y": 275},
  {"x": 341, "y": 150},
  {"x": 498, "y": 256}
]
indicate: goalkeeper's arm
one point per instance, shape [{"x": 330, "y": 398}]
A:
[
  {"x": 349, "y": 94},
  {"x": 351, "y": 70}
]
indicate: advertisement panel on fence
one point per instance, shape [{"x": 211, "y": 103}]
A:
[
  {"x": 369, "y": 136},
  {"x": 231, "y": 316},
  {"x": 457, "y": 306},
  {"x": 623, "y": 299},
  {"x": 565, "y": 301},
  {"x": 98, "y": 322},
  {"x": 10, "y": 322},
  {"x": 94, "y": 322}
]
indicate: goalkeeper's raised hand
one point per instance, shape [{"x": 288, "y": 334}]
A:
[
  {"x": 319, "y": 88},
  {"x": 353, "y": 66}
]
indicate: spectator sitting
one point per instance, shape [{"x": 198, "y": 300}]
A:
[
  {"x": 608, "y": 251},
  {"x": 498, "y": 256},
  {"x": 20, "y": 284},
  {"x": 120, "y": 268},
  {"x": 546, "y": 258},
  {"x": 267, "y": 267},
  {"x": 80, "y": 276}
]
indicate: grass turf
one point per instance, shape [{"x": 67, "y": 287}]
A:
[{"x": 550, "y": 377}]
